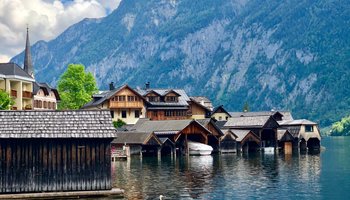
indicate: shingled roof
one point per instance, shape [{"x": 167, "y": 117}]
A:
[
  {"x": 286, "y": 114},
  {"x": 135, "y": 138},
  {"x": 56, "y": 124},
  {"x": 146, "y": 125},
  {"x": 252, "y": 122}
]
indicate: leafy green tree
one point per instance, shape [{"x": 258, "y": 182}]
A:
[
  {"x": 118, "y": 123},
  {"x": 246, "y": 107},
  {"x": 5, "y": 100},
  {"x": 341, "y": 128},
  {"x": 76, "y": 87}
]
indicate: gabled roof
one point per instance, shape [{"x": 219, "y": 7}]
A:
[
  {"x": 165, "y": 140},
  {"x": 284, "y": 135},
  {"x": 229, "y": 133},
  {"x": 46, "y": 88},
  {"x": 209, "y": 121},
  {"x": 101, "y": 97},
  {"x": 249, "y": 122},
  {"x": 286, "y": 115},
  {"x": 141, "y": 138},
  {"x": 56, "y": 124},
  {"x": 12, "y": 70},
  {"x": 296, "y": 122},
  {"x": 220, "y": 109},
  {"x": 161, "y": 127},
  {"x": 241, "y": 134},
  {"x": 200, "y": 105},
  {"x": 146, "y": 125},
  {"x": 183, "y": 98},
  {"x": 171, "y": 91}
]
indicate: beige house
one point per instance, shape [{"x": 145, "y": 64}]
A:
[
  {"x": 220, "y": 114},
  {"x": 124, "y": 103},
  {"x": 45, "y": 97},
  {"x": 198, "y": 110},
  {"x": 18, "y": 83},
  {"x": 306, "y": 132}
]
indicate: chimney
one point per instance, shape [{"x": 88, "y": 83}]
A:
[
  {"x": 111, "y": 86},
  {"x": 147, "y": 85}
]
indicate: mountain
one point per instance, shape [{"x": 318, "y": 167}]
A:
[{"x": 290, "y": 55}]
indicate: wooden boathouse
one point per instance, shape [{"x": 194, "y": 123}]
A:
[
  {"x": 177, "y": 131},
  {"x": 53, "y": 151}
]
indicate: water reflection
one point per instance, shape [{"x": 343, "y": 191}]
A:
[{"x": 220, "y": 177}]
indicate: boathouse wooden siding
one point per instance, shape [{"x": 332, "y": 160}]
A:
[{"x": 43, "y": 151}]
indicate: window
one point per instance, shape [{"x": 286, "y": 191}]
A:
[
  {"x": 123, "y": 113},
  {"x": 121, "y": 98},
  {"x": 112, "y": 114},
  {"x": 309, "y": 128},
  {"x": 171, "y": 99},
  {"x": 220, "y": 118},
  {"x": 137, "y": 114},
  {"x": 153, "y": 99},
  {"x": 131, "y": 98},
  {"x": 155, "y": 113}
]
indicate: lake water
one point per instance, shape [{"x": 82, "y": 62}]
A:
[{"x": 243, "y": 176}]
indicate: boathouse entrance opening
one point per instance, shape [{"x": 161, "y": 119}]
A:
[
  {"x": 250, "y": 146},
  {"x": 313, "y": 144},
  {"x": 150, "y": 150},
  {"x": 268, "y": 138},
  {"x": 166, "y": 150}
]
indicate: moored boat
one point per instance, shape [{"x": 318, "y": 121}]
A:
[{"x": 196, "y": 148}]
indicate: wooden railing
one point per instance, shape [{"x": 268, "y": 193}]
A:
[
  {"x": 14, "y": 93},
  {"x": 26, "y": 94},
  {"x": 126, "y": 104}
]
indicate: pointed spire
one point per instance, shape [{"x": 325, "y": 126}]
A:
[{"x": 28, "y": 65}]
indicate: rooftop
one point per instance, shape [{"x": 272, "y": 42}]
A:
[
  {"x": 56, "y": 124},
  {"x": 13, "y": 70}
]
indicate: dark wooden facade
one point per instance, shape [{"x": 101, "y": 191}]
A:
[
  {"x": 43, "y": 165},
  {"x": 43, "y": 151}
]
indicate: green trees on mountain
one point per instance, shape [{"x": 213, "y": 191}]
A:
[
  {"x": 341, "y": 128},
  {"x": 5, "y": 100},
  {"x": 76, "y": 87}
]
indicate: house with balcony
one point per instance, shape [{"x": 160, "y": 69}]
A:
[
  {"x": 166, "y": 104},
  {"x": 18, "y": 83},
  {"x": 23, "y": 88},
  {"x": 123, "y": 102}
]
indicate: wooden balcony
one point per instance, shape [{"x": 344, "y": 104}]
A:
[
  {"x": 125, "y": 104},
  {"x": 14, "y": 93},
  {"x": 27, "y": 94}
]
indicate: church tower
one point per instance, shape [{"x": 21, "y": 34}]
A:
[{"x": 28, "y": 65}]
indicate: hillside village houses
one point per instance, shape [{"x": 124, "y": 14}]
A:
[
  {"x": 168, "y": 117},
  {"x": 23, "y": 88},
  {"x": 171, "y": 115}
]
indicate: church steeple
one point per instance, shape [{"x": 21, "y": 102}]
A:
[{"x": 28, "y": 65}]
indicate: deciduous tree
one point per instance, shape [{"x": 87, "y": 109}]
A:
[
  {"x": 76, "y": 87},
  {"x": 5, "y": 100}
]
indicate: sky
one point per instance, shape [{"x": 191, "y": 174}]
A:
[{"x": 46, "y": 20}]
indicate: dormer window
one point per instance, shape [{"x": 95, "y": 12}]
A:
[
  {"x": 171, "y": 99},
  {"x": 153, "y": 99}
]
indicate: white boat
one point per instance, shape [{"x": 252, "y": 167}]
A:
[
  {"x": 269, "y": 150},
  {"x": 200, "y": 149}
]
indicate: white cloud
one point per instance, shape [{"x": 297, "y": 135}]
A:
[{"x": 46, "y": 20}]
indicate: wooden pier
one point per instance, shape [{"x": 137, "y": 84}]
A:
[{"x": 115, "y": 192}]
